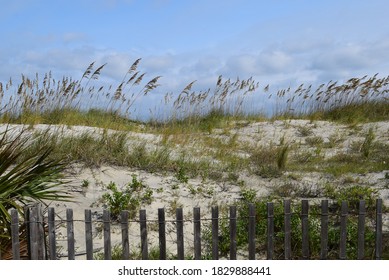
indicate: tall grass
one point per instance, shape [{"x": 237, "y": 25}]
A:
[
  {"x": 61, "y": 101},
  {"x": 92, "y": 102},
  {"x": 358, "y": 99},
  {"x": 226, "y": 98}
]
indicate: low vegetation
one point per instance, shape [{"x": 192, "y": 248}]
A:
[{"x": 129, "y": 198}]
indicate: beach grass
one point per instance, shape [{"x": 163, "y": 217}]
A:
[{"x": 194, "y": 116}]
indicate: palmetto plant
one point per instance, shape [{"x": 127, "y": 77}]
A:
[{"x": 25, "y": 178}]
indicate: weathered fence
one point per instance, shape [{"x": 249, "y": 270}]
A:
[{"x": 42, "y": 242}]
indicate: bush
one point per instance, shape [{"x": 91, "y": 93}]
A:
[
  {"x": 131, "y": 198},
  {"x": 25, "y": 178}
]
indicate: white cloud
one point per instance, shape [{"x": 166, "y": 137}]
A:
[
  {"x": 351, "y": 57},
  {"x": 264, "y": 64},
  {"x": 71, "y": 37},
  {"x": 158, "y": 63}
]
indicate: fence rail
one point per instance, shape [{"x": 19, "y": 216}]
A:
[{"x": 42, "y": 240}]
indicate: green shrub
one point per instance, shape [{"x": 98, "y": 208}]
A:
[
  {"x": 352, "y": 195},
  {"x": 131, "y": 198},
  {"x": 181, "y": 175}
]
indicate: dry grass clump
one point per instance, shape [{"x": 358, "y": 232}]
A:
[
  {"x": 58, "y": 101},
  {"x": 227, "y": 98},
  {"x": 358, "y": 99},
  {"x": 270, "y": 161}
]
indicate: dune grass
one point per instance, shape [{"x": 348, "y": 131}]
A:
[
  {"x": 90, "y": 101},
  {"x": 193, "y": 116}
]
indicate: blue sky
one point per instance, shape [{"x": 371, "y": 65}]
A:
[{"x": 281, "y": 42}]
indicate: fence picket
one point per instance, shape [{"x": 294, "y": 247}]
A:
[
  {"x": 52, "y": 243},
  {"x": 27, "y": 216},
  {"x": 15, "y": 234},
  {"x": 197, "y": 233},
  {"x": 34, "y": 234},
  {"x": 162, "y": 233},
  {"x": 324, "y": 230},
  {"x": 361, "y": 230},
  {"x": 107, "y": 234},
  {"x": 41, "y": 233},
  {"x": 180, "y": 233},
  {"x": 378, "y": 230},
  {"x": 232, "y": 232},
  {"x": 70, "y": 233},
  {"x": 305, "y": 229},
  {"x": 88, "y": 234},
  {"x": 343, "y": 231},
  {"x": 215, "y": 233},
  {"x": 125, "y": 241},
  {"x": 143, "y": 234}
]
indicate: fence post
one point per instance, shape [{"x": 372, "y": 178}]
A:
[
  {"x": 41, "y": 233},
  {"x": 180, "y": 234},
  {"x": 378, "y": 230},
  {"x": 27, "y": 211},
  {"x": 270, "y": 230},
  {"x": 361, "y": 229},
  {"x": 162, "y": 233},
  {"x": 305, "y": 229},
  {"x": 143, "y": 234},
  {"x": 70, "y": 233},
  {"x": 343, "y": 231},
  {"x": 125, "y": 242},
  {"x": 197, "y": 233},
  {"x": 52, "y": 244},
  {"x": 33, "y": 222},
  {"x": 232, "y": 232},
  {"x": 324, "y": 230},
  {"x": 287, "y": 230},
  {"x": 251, "y": 231},
  {"x": 215, "y": 233},
  {"x": 107, "y": 235},
  {"x": 88, "y": 234},
  {"x": 15, "y": 235},
  {"x": 36, "y": 240}
]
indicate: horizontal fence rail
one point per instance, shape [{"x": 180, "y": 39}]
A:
[{"x": 280, "y": 236}]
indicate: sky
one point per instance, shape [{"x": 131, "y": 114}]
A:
[{"x": 280, "y": 42}]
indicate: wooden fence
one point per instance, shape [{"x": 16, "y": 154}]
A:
[{"x": 41, "y": 232}]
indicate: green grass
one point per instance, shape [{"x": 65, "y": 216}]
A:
[{"x": 370, "y": 111}]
